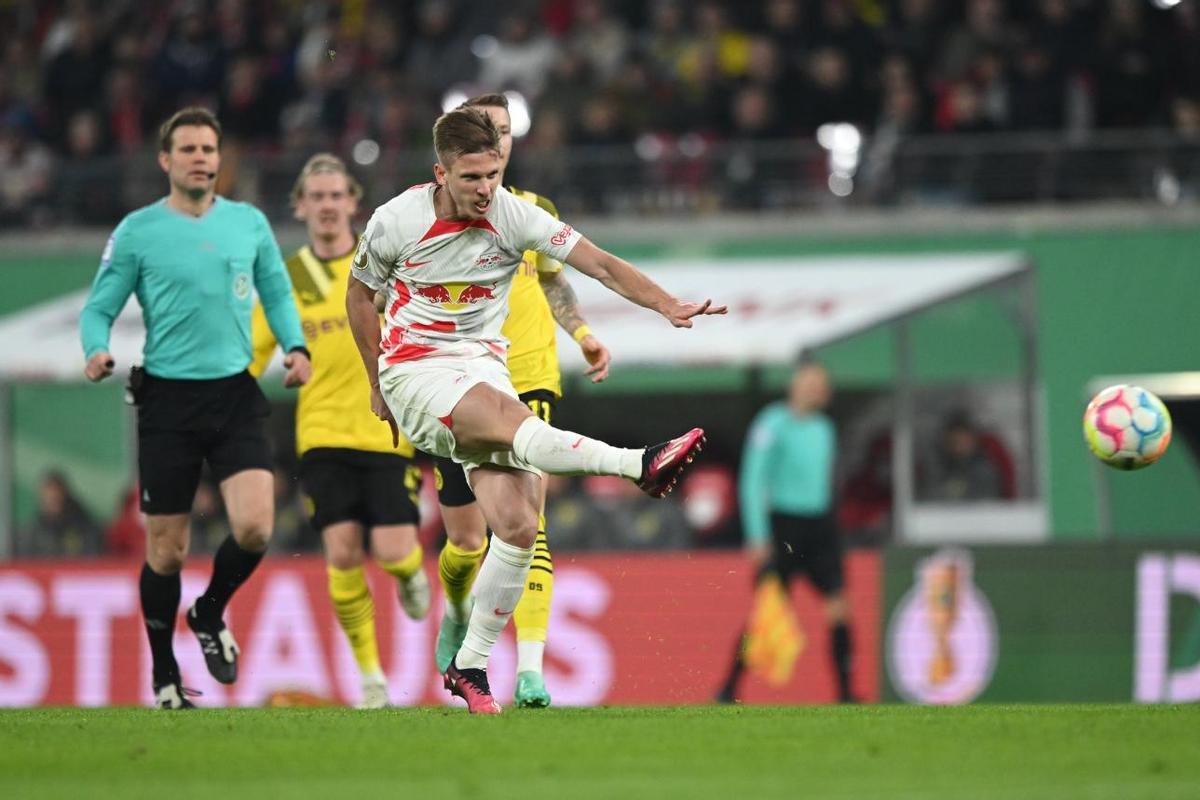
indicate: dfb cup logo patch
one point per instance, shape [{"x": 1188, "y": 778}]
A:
[
  {"x": 241, "y": 286},
  {"x": 942, "y": 640}
]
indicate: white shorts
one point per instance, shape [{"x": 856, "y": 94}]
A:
[{"x": 423, "y": 393}]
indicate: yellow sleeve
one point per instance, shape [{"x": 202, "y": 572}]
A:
[
  {"x": 262, "y": 342},
  {"x": 544, "y": 264}
]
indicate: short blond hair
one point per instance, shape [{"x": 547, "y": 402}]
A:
[{"x": 325, "y": 163}]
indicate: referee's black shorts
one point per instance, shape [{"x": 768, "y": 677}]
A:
[
  {"x": 807, "y": 546},
  {"x": 184, "y": 423},
  {"x": 452, "y": 486},
  {"x": 373, "y": 489}
]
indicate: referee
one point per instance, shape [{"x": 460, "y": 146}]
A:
[
  {"x": 785, "y": 490},
  {"x": 195, "y": 261}
]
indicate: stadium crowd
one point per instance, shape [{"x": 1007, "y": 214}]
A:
[{"x": 81, "y": 80}]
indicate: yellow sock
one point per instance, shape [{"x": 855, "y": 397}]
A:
[
  {"x": 532, "y": 615},
  {"x": 456, "y": 570},
  {"x": 405, "y": 567},
  {"x": 356, "y": 613}
]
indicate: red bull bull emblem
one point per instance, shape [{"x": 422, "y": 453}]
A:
[
  {"x": 455, "y": 295},
  {"x": 435, "y": 293},
  {"x": 475, "y": 294}
]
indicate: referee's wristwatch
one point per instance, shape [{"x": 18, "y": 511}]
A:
[{"x": 303, "y": 350}]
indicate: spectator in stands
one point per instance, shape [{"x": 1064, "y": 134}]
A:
[
  {"x": 600, "y": 37},
  {"x": 984, "y": 30},
  {"x": 916, "y": 29},
  {"x": 309, "y": 75},
  {"x": 829, "y": 94},
  {"x": 89, "y": 183},
  {"x": 75, "y": 76},
  {"x": 63, "y": 527},
  {"x": 440, "y": 55},
  {"x": 126, "y": 110},
  {"x": 209, "y": 526},
  {"x": 126, "y": 534},
  {"x": 190, "y": 66},
  {"x": 964, "y": 466},
  {"x": 26, "y": 167},
  {"x": 1129, "y": 69},
  {"x": 248, "y": 112},
  {"x": 865, "y": 508},
  {"x": 292, "y": 531},
  {"x": 522, "y": 58}
]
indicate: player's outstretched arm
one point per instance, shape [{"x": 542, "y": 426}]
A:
[
  {"x": 634, "y": 285},
  {"x": 564, "y": 305},
  {"x": 364, "y": 324}
]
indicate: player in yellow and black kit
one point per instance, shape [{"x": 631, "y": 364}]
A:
[
  {"x": 349, "y": 469},
  {"x": 540, "y": 296}
]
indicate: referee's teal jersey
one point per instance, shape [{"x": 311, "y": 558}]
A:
[
  {"x": 195, "y": 278},
  {"x": 787, "y": 466}
]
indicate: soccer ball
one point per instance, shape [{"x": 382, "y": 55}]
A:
[{"x": 1127, "y": 427}]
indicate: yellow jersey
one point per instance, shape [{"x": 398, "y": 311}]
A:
[
  {"x": 334, "y": 408},
  {"x": 530, "y": 328}
]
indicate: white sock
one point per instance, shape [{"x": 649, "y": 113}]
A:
[
  {"x": 529, "y": 656},
  {"x": 498, "y": 587},
  {"x": 561, "y": 452}
]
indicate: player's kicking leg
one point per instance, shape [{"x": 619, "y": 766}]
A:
[
  {"x": 487, "y": 419},
  {"x": 508, "y": 499}
]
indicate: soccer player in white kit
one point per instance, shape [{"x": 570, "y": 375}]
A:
[{"x": 444, "y": 254}]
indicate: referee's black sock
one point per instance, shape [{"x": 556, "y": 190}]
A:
[
  {"x": 840, "y": 637},
  {"x": 160, "y": 606},
  {"x": 231, "y": 567}
]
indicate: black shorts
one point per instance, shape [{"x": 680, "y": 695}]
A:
[
  {"x": 184, "y": 423},
  {"x": 342, "y": 485},
  {"x": 807, "y": 545},
  {"x": 452, "y": 486}
]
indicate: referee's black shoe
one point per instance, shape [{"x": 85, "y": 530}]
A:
[{"x": 218, "y": 645}]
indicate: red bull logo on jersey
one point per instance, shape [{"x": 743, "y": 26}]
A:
[
  {"x": 488, "y": 260},
  {"x": 455, "y": 296},
  {"x": 434, "y": 294}
]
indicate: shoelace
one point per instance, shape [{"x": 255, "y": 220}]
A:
[{"x": 477, "y": 678}]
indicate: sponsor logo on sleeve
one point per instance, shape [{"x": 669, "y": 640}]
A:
[{"x": 560, "y": 238}]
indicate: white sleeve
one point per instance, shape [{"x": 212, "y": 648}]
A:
[
  {"x": 535, "y": 229},
  {"x": 373, "y": 259}
]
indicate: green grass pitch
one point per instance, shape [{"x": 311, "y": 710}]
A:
[{"x": 894, "y": 752}]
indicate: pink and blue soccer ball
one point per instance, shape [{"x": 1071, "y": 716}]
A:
[{"x": 1127, "y": 427}]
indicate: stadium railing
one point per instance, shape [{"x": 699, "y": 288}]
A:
[{"x": 672, "y": 176}]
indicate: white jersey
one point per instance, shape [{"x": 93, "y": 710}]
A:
[{"x": 447, "y": 283}]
